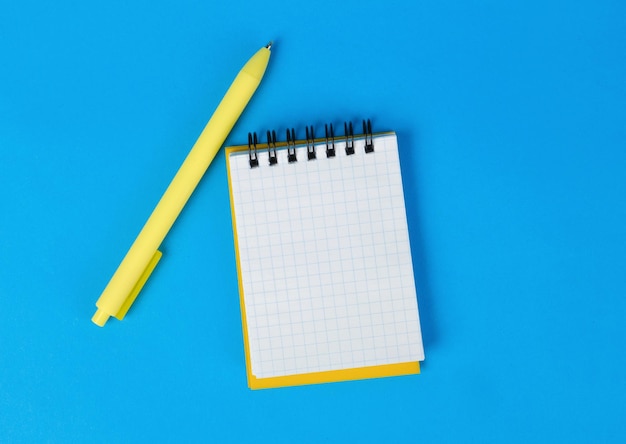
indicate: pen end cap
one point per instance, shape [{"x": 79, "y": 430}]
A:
[{"x": 100, "y": 318}]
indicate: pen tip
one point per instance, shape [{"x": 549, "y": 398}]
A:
[{"x": 269, "y": 45}]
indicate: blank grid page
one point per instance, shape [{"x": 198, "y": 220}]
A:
[{"x": 325, "y": 260}]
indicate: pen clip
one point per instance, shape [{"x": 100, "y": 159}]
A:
[{"x": 138, "y": 286}]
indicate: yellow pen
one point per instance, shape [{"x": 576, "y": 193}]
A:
[{"x": 143, "y": 255}]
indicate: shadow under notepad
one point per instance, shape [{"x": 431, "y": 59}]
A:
[{"x": 407, "y": 143}]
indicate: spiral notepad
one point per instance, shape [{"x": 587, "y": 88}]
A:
[{"x": 325, "y": 273}]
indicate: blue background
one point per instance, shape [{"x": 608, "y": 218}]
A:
[{"x": 511, "y": 124}]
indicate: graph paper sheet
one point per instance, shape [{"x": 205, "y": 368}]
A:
[{"x": 324, "y": 264}]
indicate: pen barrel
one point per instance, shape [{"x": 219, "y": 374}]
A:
[{"x": 180, "y": 189}]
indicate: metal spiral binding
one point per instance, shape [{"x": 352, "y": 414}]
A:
[
  {"x": 271, "y": 147},
  {"x": 329, "y": 136},
  {"x": 291, "y": 146},
  {"x": 367, "y": 131},
  {"x": 252, "y": 154},
  {"x": 330, "y": 150},
  {"x": 349, "y": 138},
  {"x": 310, "y": 144}
]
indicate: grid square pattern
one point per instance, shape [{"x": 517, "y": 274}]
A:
[{"x": 325, "y": 260}]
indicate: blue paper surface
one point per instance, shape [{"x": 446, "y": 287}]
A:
[{"x": 510, "y": 122}]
